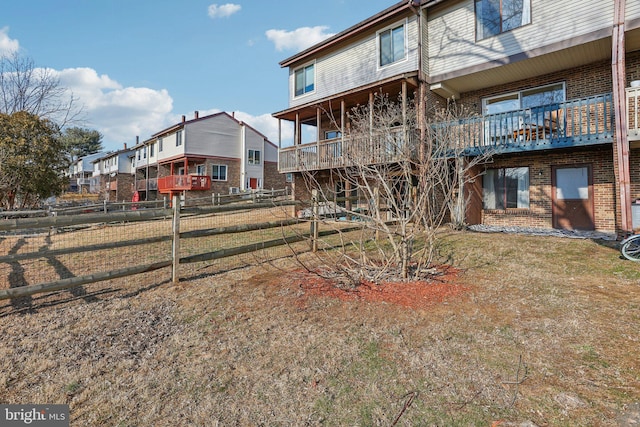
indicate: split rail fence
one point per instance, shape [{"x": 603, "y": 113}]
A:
[{"x": 47, "y": 254}]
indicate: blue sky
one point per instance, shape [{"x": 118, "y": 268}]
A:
[{"x": 137, "y": 66}]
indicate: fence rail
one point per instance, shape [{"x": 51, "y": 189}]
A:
[{"x": 139, "y": 242}]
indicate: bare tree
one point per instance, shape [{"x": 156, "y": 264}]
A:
[
  {"x": 25, "y": 87},
  {"x": 398, "y": 187}
]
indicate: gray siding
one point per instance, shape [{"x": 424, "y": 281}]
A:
[
  {"x": 452, "y": 44},
  {"x": 219, "y": 136},
  {"x": 355, "y": 66}
]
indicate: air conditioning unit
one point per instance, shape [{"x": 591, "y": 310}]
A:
[{"x": 234, "y": 190}]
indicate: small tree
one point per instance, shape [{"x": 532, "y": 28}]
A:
[
  {"x": 408, "y": 185},
  {"x": 33, "y": 160},
  {"x": 25, "y": 87},
  {"x": 79, "y": 142}
]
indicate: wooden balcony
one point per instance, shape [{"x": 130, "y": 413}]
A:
[
  {"x": 342, "y": 152},
  {"x": 579, "y": 122},
  {"x": 150, "y": 184},
  {"x": 166, "y": 184}
]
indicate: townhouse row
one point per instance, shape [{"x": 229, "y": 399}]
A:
[
  {"x": 214, "y": 154},
  {"x": 554, "y": 87}
]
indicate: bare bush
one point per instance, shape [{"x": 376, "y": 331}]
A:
[{"x": 399, "y": 185}]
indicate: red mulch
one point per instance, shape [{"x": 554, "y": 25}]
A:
[{"x": 414, "y": 294}]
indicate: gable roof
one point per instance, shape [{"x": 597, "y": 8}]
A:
[
  {"x": 182, "y": 124},
  {"x": 361, "y": 27}
]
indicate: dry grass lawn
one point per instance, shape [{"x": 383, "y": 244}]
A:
[{"x": 546, "y": 334}]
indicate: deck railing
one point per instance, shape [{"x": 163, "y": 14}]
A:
[
  {"x": 584, "y": 121},
  {"x": 152, "y": 183},
  {"x": 183, "y": 182},
  {"x": 342, "y": 152}
]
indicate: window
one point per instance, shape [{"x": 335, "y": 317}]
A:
[
  {"x": 144, "y": 152},
  {"x": 138, "y": 155},
  {"x": 219, "y": 172},
  {"x": 254, "y": 157},
  {"x": 178, "y": 138},
  {"x": 506, "y": 188},
  {"x": 289, "y": 177},
  {"x": 332, "y": 134},
  {"x": 159, "y": 144},
  {"x": 152, "y": 149},
  {"x": 497, "y": 16},
  {"x": 305, "y": 80},
  {"x": 391, "y": 44},
  {"x": 200, "y": 169}
]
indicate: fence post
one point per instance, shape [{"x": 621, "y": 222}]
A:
[
  {"x": 104, "y": 202},
  {"x": 314, "y": 220},
  {"x": 175, "y": 247},
  {"x": 375, "y": 209}
]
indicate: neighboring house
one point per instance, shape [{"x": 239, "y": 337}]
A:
[
  {"x": 80, "y": 173},
  {"x": 546, "y": 78},
  {"x": 112, "y": 175},
  {"x": 219, "y": 154}
]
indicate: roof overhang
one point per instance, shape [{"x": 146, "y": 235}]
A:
[
  {"x": 357, "y": 96},
  {"x": 399, "y": 8}
]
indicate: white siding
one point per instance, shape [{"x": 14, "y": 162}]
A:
[
  {"x": 270, "y": 152},
  {"x": 355, "y": 66},
  {"x": 214, "y": 136},
  {"x": 169, "y": 148},
  {"x": 253, "y": 141},
  {"x": 452, "y": 44}
]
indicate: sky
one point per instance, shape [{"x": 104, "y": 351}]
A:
[{"x": 137, "y": 66}]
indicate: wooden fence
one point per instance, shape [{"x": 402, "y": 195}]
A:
[
  {"x": 255, "y": 217},
  {"x": 44, "y": 225}
]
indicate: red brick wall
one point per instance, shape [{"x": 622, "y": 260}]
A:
[{"x": 539, "y": 213}]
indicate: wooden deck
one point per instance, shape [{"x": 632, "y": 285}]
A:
[{"x": 579, "y": 122}]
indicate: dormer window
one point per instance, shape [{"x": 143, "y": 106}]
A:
[
  {"x": 304, "y": 80},
  {"x": 392, "y": 45}
]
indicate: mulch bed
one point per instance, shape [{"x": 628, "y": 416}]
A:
[{"x": 417, "y": 294}]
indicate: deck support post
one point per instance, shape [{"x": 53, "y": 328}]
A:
[{"x": 175, "y": 228}]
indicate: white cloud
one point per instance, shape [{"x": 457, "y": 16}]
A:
[
  {"x": 7, "y": 44},
  {"x": 298, "y": 39},
  {"x": 223, "y": 11},
  {"x": 118, "y": 113}
]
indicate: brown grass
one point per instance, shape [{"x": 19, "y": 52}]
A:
[{"x": 547, "y": 332}]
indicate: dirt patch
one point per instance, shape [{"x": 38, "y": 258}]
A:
[{"x": 417, "y": 294}]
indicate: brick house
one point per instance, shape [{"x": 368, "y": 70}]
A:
[
  {"x": 221, "y": 154},
  {"x": 555, "y": 86}
]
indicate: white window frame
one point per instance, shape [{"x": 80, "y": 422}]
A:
[
  {"x": 404, "y": 25},
  {"x": 517, "y": 96},
  {"x": 251, "y": 157},
  {"x": 178, "y": 138},
  {"x": 226, "y": 172},
  {"x": 303, "y": 68}
]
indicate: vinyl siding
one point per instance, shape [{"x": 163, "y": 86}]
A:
[
  {"x": 253, "y": 141},
  {"x": 219, "y": 136},
  {"x": 355, "y": 65},
  {"x": 452, "y": 44}
]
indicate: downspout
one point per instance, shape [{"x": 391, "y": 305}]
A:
[
  {"x": 421, "y": 79},
  {"x": 619, "y": 102},
  {"x": 243, "y": 157}
]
